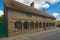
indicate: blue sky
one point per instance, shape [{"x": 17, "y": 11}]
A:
[
  {"x": 53, "y": 9},
  {"x": 1, "y": 5}
]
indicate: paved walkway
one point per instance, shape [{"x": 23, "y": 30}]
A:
[{"x": 32, "y": 36}]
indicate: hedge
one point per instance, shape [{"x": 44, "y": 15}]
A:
[{"x": 58, "y": 25}]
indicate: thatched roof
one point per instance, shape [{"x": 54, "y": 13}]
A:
[{"x": 20, "y": 6}]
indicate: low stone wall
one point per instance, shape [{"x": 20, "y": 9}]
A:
[{"x": 27, "y": 31}]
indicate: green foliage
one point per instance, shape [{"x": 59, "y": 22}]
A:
[
  {"x": 58, "y": 23},
  {"x": 2, "y": 18}
]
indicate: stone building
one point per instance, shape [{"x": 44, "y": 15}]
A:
[{"x": 22, "y": 17}]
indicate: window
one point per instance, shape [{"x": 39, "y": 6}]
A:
[{"x": 18, "y": 25}]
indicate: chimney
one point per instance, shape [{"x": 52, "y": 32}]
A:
[{"x": 32, "y": 4}]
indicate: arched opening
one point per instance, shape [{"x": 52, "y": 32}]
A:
[
  {"x": 36, "y": 25},
  {"x": 43, "y": 24},
  {"x": 50, "y": 24},
  {"x": 26, "y": 25},
  {"x": 18, "y": 25},
  {"x": 53, "y": 24},
  {"x": 32, "y": 24},
  {"x": 47, "y": 24},
  {"x": 40, "y": 24}
]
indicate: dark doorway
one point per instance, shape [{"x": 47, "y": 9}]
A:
[
  {"x": 47, "y": 24},
  {"x": 25, "y": 25},
  {"x": 36, "y": 25},
  {"x": 40, "y": 24},
  {"x": 32, "y": 24}
]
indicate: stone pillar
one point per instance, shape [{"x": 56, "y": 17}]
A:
[
  {"x": 38, "y": 25},
  {"x": 42, "y": 24},
  {"x": 29, "y": 25},
  {"x": 22, "y": 26},
  {"x": 45, "y": 25}
]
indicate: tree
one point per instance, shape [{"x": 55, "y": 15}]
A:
[
  {"x": 58, "y": 23},
  {"x": 2, "y": 18}
]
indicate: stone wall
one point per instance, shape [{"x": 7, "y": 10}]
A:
[{"x": 26, "y": 21}]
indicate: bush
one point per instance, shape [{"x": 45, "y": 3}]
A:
[
  {"x": 58, "y": 25},
  {"x": 2, "y": 18}
]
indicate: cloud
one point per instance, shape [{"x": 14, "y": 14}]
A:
[
  {"x": 37, "y": 6},
  {"x": 55, "y": 14},
  {"x": 53, "y": 1},
  {"x": 41, "y": 3},
  {"x": 46, "y": 5},
  {"x": 19, "y": 1},
  {"x": 38, "y": 3},
  {"x": 58, "y": 19},
  {"x": 1, "y": 13},
  {"x": 26, "y": 2},
  {"x": 50, "y": 1}
]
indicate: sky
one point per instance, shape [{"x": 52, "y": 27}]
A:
[
  {"x": 1, "y": 8},
  {"x": 52, "y": 6}
]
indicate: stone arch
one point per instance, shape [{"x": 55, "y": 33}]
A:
[
  {"x": 26, "y": 25},
  {"x": 32, "y": 24},
  {"x": 18, "y": 25},
  {"x": 53, "y": 24},
  {"x": 50, "y": 24},
  {"x": 43, "y": 24},
  {"x": 40, "y": 24},
  {"x": 36, "y": 24},
  {"x": 47, "y": 24}
]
